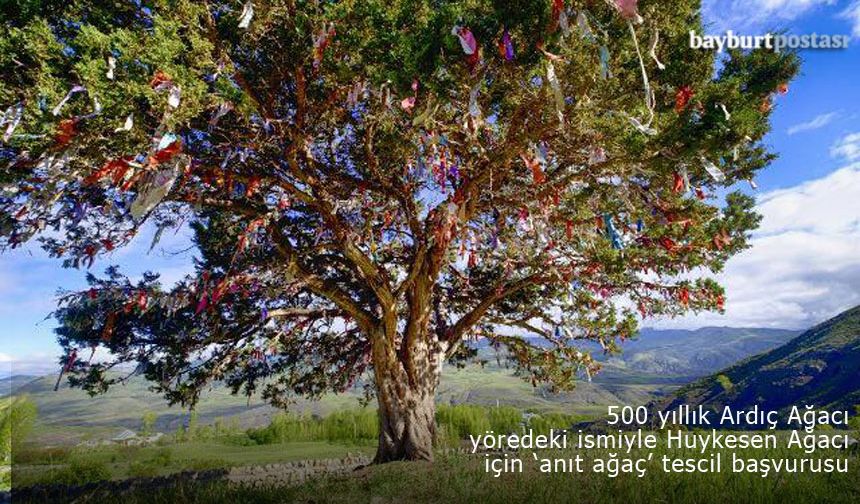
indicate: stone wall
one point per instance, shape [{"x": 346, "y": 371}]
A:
[
  {"x": 286, "y": 474},
  {"x": 294, "y": 473}
]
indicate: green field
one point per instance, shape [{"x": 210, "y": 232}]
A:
[
  {"x": 5, "y": 442},
  {"x": 51, "y": 466},
  {"x": 288, "y": 437},
  {"x": 462, "y": 478}
]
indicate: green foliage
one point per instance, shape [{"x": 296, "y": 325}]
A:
[
  {"x": 725, "y": 382},
  {"x": 147, "y": 423},
  {"x": 204, "y": 464},
  {"x": 191, "y": 430},
  {"x": 459, "y": 421},
  {"x": 17, "y": 417},
  {"x": 193, "y": 425},
  {"x": 79, "y": 472},
  {"x": 5, "y": 432},
  {"x": 33, "y": 455},
  {"x": 854, "y": 422},
  {"x": 344, "y": 426},
  {"x": 548, "y": 421},
  {"x": 153, "y": 465}
]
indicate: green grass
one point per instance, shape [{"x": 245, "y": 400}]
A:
[
  {"x": 5, "y": 468},
  {"x": 288, "y": 437},
  {"x": 462, "y": 479},
  {"x": 46, "y": 466}
]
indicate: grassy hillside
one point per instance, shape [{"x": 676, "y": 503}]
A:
[
  {"x": 5, "y": 445},
  {"x": 820, "y": 367}
]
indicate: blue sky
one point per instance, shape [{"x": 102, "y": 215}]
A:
[{"x": 803, "y": 268}]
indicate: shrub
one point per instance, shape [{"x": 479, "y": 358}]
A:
[
  {"x": 151, "y": 466},
  {"x": 725, "y": 382},
  {"x": 505, "y": 419},
  {"x": 80, "y": 472},
  {"x": 454, "y": 423},
  {"x": 238, "y": 439},
  {"x": 351, "y": 425},
  {"x": 142, "y": 469},
  {"x": 544, "y": 423},
  {"x": 348, "y": 426},
  {"x": 854, "y": 422},
  {"x": 463, "y": 419},
  {"x": 286, "y": 427},
  {"x": 17, "y": 417},
  {"x": 36, "y": 456}
]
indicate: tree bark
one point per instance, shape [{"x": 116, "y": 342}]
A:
[
  {"x": 407, "y": 428},
  {"x": 407, "y": 404}
]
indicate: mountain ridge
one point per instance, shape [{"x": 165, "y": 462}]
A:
[{"x": 820, "y": 367}]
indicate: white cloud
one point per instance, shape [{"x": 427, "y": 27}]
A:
[
  {"x": 816, "y": 123},
  {"x": 756, "y": 15},
  {"x": 852, "y": 14},
  {"x": 5, "y": 357},
  {"x": 804, "y": 264},
  {"x": 847, "y": 147}
]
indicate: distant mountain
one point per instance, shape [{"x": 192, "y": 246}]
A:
[
  {"x": 820, "y": 367},
  {"x": 696, "y": 353},
  {"x": 678, "y": 355},
  {"x": 10, "y": 383}
]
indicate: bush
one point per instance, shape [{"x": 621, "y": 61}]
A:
[
  {"x": 348, "y": 426},
  {"x": 37, "y": 456},
  {"x": 17, "y": 416},
  {"x": 462, "y": 420},
  {"x": 239, "y": 439},
  {"x": 286, "y": 427},
  {"x": 151, "y": 466},
  {"x": 505, "y": 419},
  {"x": 725, "y": 382},
  {"x": 79, "y": 472},
  {"x": 854, "y": 423},
  {"x": 351, "y": 425},
  {"x": 544, "y": 423},
  {"x": 142, "y": 469}
]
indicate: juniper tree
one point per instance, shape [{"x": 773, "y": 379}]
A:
[{"x": 374, "y": 184}]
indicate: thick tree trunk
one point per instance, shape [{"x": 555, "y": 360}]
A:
[
  {"x": 407, "y": 406},
  {"x": 407, "y": 428}
]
